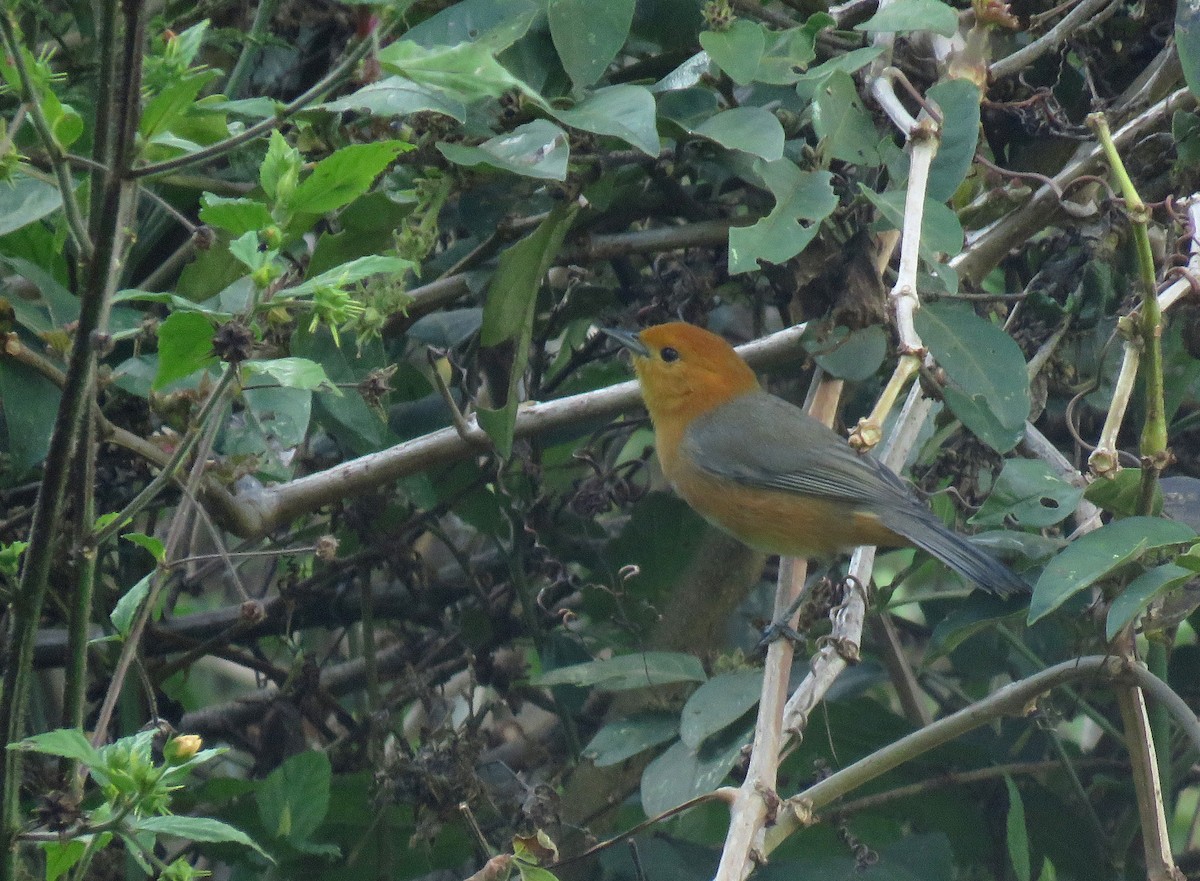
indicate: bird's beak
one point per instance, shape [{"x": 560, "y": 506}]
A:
[{"x": 628, "y": 339}]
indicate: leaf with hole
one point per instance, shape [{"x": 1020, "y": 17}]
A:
[
  {"x": 843, "y": 124},
  {"x": 802, "y": 200},
  {"x": 1030, "y": 493}
]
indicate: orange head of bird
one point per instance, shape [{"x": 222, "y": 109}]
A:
[{"x": 685, "y": 370}]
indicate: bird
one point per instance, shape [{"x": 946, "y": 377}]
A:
[{"x": 767, "y": 472}]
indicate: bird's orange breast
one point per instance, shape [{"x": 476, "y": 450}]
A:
[{"x": 777, "y": 521}]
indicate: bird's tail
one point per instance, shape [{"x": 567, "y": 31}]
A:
[{"x": 973, "y": 564}]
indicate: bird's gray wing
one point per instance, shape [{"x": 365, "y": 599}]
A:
[{"x": 761, "y": 440}]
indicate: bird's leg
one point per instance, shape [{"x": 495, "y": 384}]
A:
[{"x": 814, "y": 601}]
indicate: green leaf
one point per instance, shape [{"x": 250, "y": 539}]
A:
[
  {"x": 397, "y": 96},
  {"x": 790, "y": 51},
  {"x": 128, "y": 605},
  {"x": 366, "y": 227},
  {"x": 24, "y": 200},
  {"x": 682, "y": 772},
  {"x": 913, "y": 15},
  {"x": 848, "y": 62},
  {"x": 717, "y": 704},
  {"x": 184, "y": 346},
  {"x": 752, "y": 130},
  {"x": 686, "y": 75},
  {"x": 341, "y": 178},
  {"x": 781, "y": 235},
  {"x": 626, "y": 672},
  {"x": 853, "y": 356},
  {"x": 202, "y": 829},
  {"x": 842, "y": 123},
  {"x": 70, "y": 743},
  {"x": 1121, "y": 494},
  {"x": 66, "y": 125},
  {"x": 176, "y": 302},
  {"x": 625, "y": 112},
  {"x": 530, "y": 872},
  {"x": 959, "y": 103},
  {"x": 29, "y": 402},
  {"x": 1099, "y": 554},
  {"x": 978, "y": 612},
  {"x": 10, "y": 556},
  {"x": 508, "y": 322},
  {"x": 687, "y": 108},
  {"x": 61, "y": 856},
  {"x": 1029, "y": 492},
  {"x": 294, "y": 799},
  {"x": 156, "y": 548},
  {"x": 463, "y": 73},
  {"x": 349, "y": 273},
  {"x": 277, "y": 419},
  {"x": 536, "y": 149},
  {"x": 280, "y": 169},
  {"x": 988, "y": 387},
  {"x": 1142, "y": 591},
  {"x": 62, "y": 305},
  {"x": 348, "y": 418},
  {"x": 496, "y": 24},
  {"x": 165, "y": 108},
  {"x": 187, "y": 43},
  {"x": 237, "y": 216},
  {"x": 300, "y": 373},
  {"x": 1016, "y": 834},
  {"x": 618, "y": 741},
  {"x": 1187, "y": 43},
  {"x": 737, "y": 50},
  {"x": 588, "y": 35},
  {"x": 941, "y": 233}
]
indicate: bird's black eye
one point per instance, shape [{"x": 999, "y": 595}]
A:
[{"x": 668, "y": 354}]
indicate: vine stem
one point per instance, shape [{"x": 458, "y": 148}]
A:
[{"x": 1147, "y": 734}]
